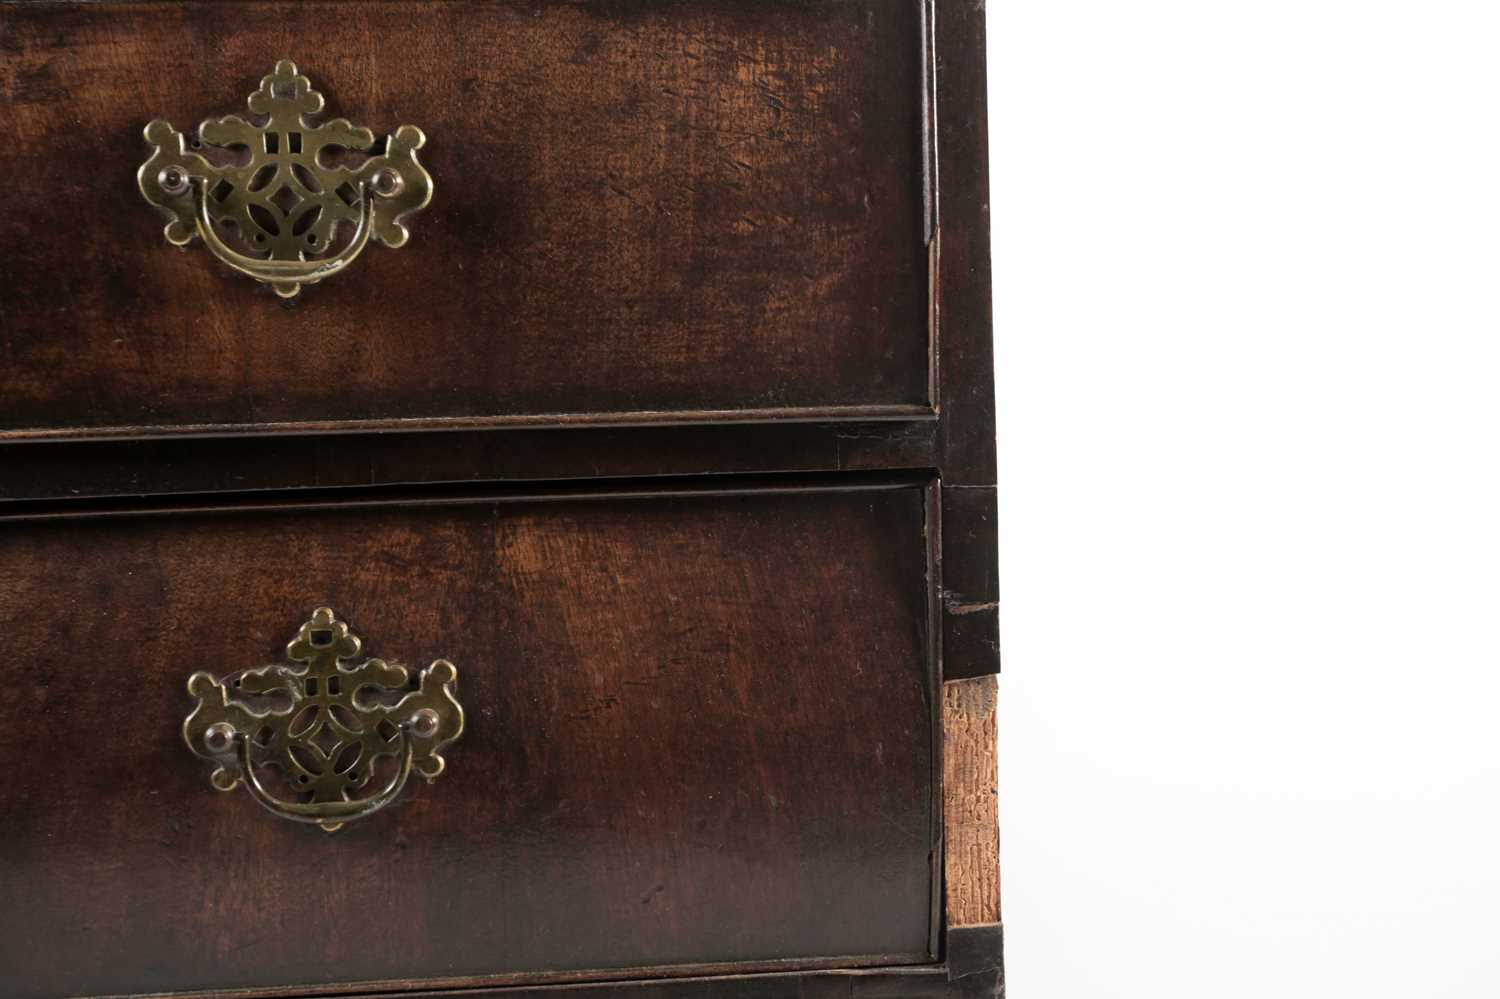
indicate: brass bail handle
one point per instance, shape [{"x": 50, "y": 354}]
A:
[
  {"x": 322, "y": 724},
  {"x": 276, "y": 215}
]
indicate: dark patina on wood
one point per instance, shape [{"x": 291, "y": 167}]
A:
[
  {"x": 726, "y": 245},
  {"x": 649, "y": 211},
  {"x": 699, "y": 732}
]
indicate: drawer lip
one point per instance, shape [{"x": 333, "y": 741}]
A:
[
  {"x": 937, "y": 980},
  {"x": 602, "y": 981},
  {"x": 41, "y": 471},
  {"x": 541, "y": 421},
  {"x": 466, "y": 494}
]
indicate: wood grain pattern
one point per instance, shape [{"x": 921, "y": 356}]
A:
[
  {"x": 962, "y": 288},
  {"x": 691, "y": 207},
  {"x": 752, "y": 258},
  {"x": 971, "y": 845},
  {"x": 700, "y": 732}
]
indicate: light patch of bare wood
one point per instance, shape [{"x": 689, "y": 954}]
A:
[{"x": 971, "y": 858}]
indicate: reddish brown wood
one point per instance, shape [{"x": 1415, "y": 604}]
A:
[
  {"x": 708, "y": 209},
  {"x": 700, "y": 731},
  {"x": 841, "y": 340}
]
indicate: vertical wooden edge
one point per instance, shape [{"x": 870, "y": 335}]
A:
[
  {"x": 971, "y": 833},
  {"x": 930, "y": 200},
  {"x": 970, "y": 582},
  {"x": 962, "y": 290},
  {"x": 970, "y": 641},
  {"x": 933, "y": 536},
  {"x": 928, "y": 67}
]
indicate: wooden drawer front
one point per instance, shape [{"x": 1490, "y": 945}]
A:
[
  {"x": 699, "y": 732},
  {"x": 646, "y": 211}
]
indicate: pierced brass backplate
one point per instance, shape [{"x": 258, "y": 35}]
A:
[
  {"x": 285, "y": 201},
  {"x": 324, "y": 725}
]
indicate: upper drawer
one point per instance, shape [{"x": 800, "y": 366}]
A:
[{"x": 640, "y": 212}]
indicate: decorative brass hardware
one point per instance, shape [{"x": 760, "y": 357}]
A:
[
  {"x": 323, "y": 725},
  {"x": 268, "y": 199}
]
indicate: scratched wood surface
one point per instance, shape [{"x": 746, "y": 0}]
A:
[
  {"x": 699, "y": 732},
  {"x": 688, "y": 209},
  {"x": 667, "y": 206}
]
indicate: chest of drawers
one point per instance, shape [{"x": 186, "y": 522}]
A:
[{"x": 546, "y": 463}]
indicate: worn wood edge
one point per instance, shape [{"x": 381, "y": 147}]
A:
[
  {"x": 37, "y": 470},
  {"x": 929, "y": 150},
  {"x": 679, "y": 979},
  {"x": 971, "y": 583},
  {"x": 932, "y": 981},
  {"x": 971, "y": 835},
  {"x": 978, "y": 975},
  {"x": 638, "y": 418},
  {"x": 449, "y": 495},
  {"x": 961, "y": 295},
  {"x": 932, "y": 528},
  {"x": 976, "y": 950}
]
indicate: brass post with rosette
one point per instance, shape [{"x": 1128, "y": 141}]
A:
[
  {"x": 323, "y": 724},
  {"x": 281, "y": 199}
]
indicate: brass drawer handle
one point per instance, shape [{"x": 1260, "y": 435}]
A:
[
  {"x": 282, "y": 207},
  {"x": 323, "y": 725}
]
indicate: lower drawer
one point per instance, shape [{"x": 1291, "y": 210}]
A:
[{"x": 698, "y": 733}]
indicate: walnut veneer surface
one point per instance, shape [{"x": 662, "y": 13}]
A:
[{"x": 672, "y": 426}]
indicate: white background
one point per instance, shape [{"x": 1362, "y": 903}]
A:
[{"x": 1247, "y": 257}]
